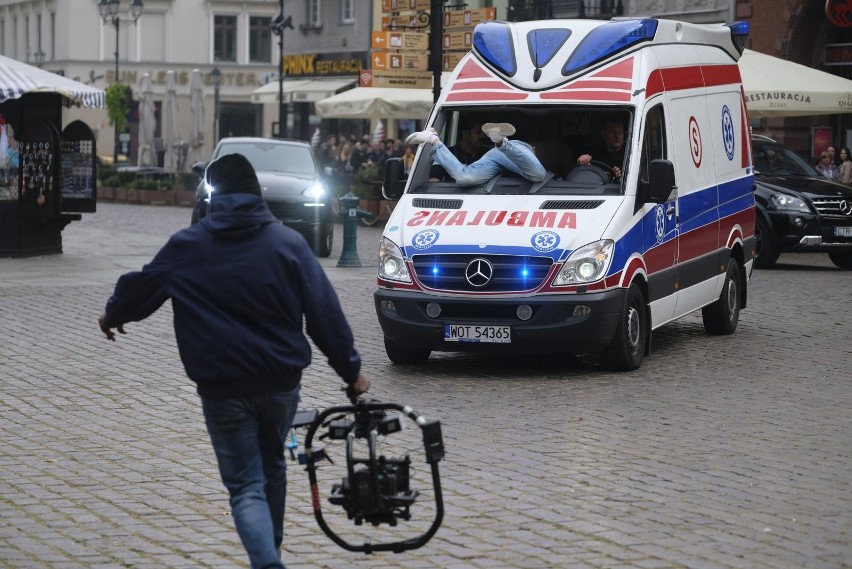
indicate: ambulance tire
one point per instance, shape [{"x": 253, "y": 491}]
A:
[
  {"x": 405, "y": 356},
  {"x": 628, "y": 345},
  {"x": 721, "y": 317}
]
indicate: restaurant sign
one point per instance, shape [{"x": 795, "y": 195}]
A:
[{"x": 325, "y": 64}]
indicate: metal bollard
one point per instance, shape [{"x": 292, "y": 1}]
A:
[{"x": 350, "y": 213}]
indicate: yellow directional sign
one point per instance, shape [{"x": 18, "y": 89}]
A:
[
  {"x": 400, "y": 40},
  {"x": 450, "y": 59},
  {"x": 457, "y": 40},
  {"x": 467, "y": 18},
  {"x": 409, "y": 24},
  {"x": 404, "y": 5},
  {"x": 404, "y": 79},
  {"x": 394, "y": 60}
]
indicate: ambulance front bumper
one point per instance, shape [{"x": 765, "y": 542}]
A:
[{"x": 570, "y": 323}]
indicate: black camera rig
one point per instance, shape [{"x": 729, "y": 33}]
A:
[{"x": 376, "y": 489}]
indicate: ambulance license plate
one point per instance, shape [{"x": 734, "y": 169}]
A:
[
  {"x": 474, "y": 333},
  {"x": 843, "y": 231}
]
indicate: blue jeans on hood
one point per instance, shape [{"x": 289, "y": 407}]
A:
[
  {"x": 248, "y": 435},
  {"x": 516, "y": 157}
]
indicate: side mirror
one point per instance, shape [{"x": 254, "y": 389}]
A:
[
  {"x": 661, "y": 180},
  {"x": 394, "y": 182},
  {"x": 199, "y": 168}
]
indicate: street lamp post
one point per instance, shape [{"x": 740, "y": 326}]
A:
[
  {"x": 278, "y": 25},
  {"x": 39, "y": 57},
  {"x": 217, "y": 80},
  {"x": 108, "y": 10}
]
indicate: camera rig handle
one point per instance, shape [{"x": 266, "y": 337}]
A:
[{"x": 364, "y": 494}]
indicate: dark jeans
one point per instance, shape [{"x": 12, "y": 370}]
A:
[{"x": 248, "y": 435}]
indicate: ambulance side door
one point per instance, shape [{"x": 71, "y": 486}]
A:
[{"x": 659, "y": 222}]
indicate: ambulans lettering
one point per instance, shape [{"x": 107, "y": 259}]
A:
[{"x": 550, "y": 219}]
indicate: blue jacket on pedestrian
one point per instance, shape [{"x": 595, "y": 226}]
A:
[{"x": 239, "y": 329}]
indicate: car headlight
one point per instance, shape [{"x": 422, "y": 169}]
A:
[
  {"x": 587, "y": 264},
  {"x": 207, "y": 190},
  {"x": 391, "y": 264},
  {"x": 315, "y": 192},
  {"x": 784, "y": 202}
]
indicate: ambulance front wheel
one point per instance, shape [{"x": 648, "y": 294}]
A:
[
  {"x": 722, "y": 316},
  {"x": 627, "y": 349},
  {"x": 405, "y": 356}
]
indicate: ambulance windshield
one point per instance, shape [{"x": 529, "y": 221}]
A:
[{"x": 583, "y": 150}]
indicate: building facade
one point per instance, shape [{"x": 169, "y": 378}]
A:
[{"x": 326, "y": 42}]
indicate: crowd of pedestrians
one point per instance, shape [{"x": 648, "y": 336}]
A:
[
  {"x": 834, "y": 166},
  {"x": 342, "y": 157}
]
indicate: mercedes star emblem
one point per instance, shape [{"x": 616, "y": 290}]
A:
[
  {"x": 846, "y": 207},
  {"x": 479, "y": 272}
]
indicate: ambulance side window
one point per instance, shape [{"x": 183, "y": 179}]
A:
[{"x": 654, "y": 140}]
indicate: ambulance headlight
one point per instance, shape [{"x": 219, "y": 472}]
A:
[
  {"x": 391, "y": 263},
  {"x": 587, "y": 264}
]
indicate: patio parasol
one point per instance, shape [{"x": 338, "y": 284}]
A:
[
  {"x": 147, "y": 124},
  {"x": 379, "y": 131},
  {"x": 196, "y": 133},
  {"x": 171, "y": 124}
]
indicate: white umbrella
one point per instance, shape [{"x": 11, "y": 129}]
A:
[
  {"x": 316, "y": 139},
  {"x": 171, "y": 124},
  {"x": 776, "y": 87},
  {"x": 196, "y": 133},
  {"x": 374, "y": 102},
  {"x": 18, "y": 78},
  {"x": 147, "y": 124},
  {"x": 379, "y": 132}
]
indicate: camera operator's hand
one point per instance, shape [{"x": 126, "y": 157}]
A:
[
  {"x": 361, "y": 385},
  {"x": 102, "y": 323}
]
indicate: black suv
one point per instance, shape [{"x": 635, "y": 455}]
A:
[
  {"x": 798, "y": 209},
  {"x": 292, "y": 183}
]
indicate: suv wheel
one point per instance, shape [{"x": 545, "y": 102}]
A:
[
  {"x": 323, "y": 240},
  {"x": 843, "y": 260},
  {"x": 405, "y": 356},
  {"x": 767, "y": 250}
]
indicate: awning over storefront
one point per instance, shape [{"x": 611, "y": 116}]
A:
[
  {"x": 302, "y": 90},
  {"x": 775, "y": 87},
  {"x": 377, "y": 102},
  {"x": 18, "y": 78}
]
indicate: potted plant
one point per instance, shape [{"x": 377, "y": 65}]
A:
[{"x": 367, "y": 185}]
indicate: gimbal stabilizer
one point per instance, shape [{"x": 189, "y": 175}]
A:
[{"x": 376, "y": 488}]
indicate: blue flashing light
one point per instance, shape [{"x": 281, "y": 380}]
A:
[
  {"x": 435, "y": 270},
  {"x": 607, "y": 40},
  {"x": 739, "y": 28},
  {"x": 543, "y": 44},
  {"x": 493, "y": 41},
  {"x": 525, "y": 272}
]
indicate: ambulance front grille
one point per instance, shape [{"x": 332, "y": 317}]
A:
[{"x": 511, "y": 273}]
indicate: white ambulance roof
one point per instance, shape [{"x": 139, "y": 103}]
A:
[{"x": 539, "y": 55}]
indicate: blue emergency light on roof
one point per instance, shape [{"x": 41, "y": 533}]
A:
[
  {"x": 607, "y": 40},
  {"x": 544, "y": 44},
  {"x": 739, "y": 28},
  {"x": 493, "y": 41}
]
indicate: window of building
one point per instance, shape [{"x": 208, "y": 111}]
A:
[
  {"x": 2, "y": 37},
  {"x": 260, "y": 39},
  {"x": 314, "y": 16},
  {"x": 224, "y": 38},
  {"x": 52, "y": 36},
  {"x": 347, "y": 11}
]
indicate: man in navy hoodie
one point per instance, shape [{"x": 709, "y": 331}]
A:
[{"x": 241, "y": 285}]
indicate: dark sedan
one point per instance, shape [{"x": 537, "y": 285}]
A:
[
  {"x": 292, "y": 183},
  {"x": 798, "y": 209}
]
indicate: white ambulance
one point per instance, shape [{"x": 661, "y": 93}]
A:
[{"x": 586, "y": 260}]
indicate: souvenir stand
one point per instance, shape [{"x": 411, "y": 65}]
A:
[{"x": 47, "y": 174}]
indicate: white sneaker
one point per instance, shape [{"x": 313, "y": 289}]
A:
[
  {"x": 498, "y": 131},
  {"x": 429, "y": 136}
]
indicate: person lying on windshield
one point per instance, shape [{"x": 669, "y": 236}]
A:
[{"x": 507, "y": 156}]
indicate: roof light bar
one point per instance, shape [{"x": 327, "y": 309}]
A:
[
  {"x": 543, "y": 44},
  {"x": 607, "y": 40},
  {"x": 739, "y": 28},
  {"x": 493, "y": 42}
]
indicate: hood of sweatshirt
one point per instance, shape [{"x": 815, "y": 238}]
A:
[{"x": 237, "y": 216}]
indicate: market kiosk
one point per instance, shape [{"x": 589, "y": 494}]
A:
[{"x": 47, "y": 173}]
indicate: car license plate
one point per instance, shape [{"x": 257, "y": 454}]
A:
[
  {"x": 474, "y": 333},
  {"x": 843, "y": 231}
]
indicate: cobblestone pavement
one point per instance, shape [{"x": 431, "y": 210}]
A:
[{"x": 730, "y": 452}]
